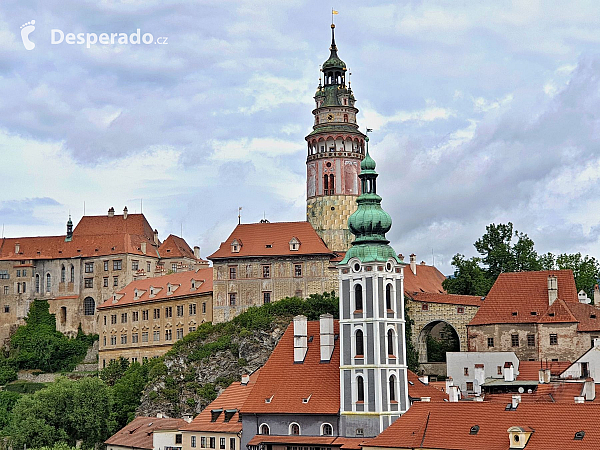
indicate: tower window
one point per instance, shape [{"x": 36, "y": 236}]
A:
[
  {"x": 345, "y": 115},
  {"x": 358, "y": 301},
  {"x": 360, "y": 351},
  {"x": 393, "y": 388},
  {"x": 388, "y": 297},
  {"x": 345, "y": 103},
  {"x": 317, "y": 120},
  {"x": 331, "y": 184},
  {"x": 390, "y": 342},
  {"x": 360, "y": 389}
]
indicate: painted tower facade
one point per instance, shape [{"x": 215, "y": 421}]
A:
[
  {"x": 335, "y": 150},
  {"x": 373, "y": 370}
]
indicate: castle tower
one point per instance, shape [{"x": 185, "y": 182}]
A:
[
  {"x": 335, "y": 149},
  {"x": 373, "y": 370}
]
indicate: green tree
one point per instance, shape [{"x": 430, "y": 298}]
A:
[
  {"x": 127, "y": 393},
  {"x": 412, "y": 355},
  {"x": 585, "y": 269},
  {"x": 114, "y": 370},
  {"x": 469, "y": 278},
  {"x": 7, "y": 402}
]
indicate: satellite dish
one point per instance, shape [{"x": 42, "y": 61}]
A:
[{"x": 521, "y": 390}]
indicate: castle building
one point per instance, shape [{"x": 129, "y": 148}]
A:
[{"x": 335, "y": 149}]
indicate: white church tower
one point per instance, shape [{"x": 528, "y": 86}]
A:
[{"x": 373, "y": 370}]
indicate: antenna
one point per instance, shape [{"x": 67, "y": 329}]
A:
[
  {"x": 239, "y": 215},
  {"x": 141, "y": 205},
  {"x": 181, "y": 229},
  {"x": 2, "y": 231},
  {"x": 84, "y": 207}
]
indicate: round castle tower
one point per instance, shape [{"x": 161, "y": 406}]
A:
[{"x": 335, "y": 150}]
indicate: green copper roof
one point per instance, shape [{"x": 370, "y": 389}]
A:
[
  {"x": 369, "y": 222},
  {"x": 335, "y": 128},
  {"x": 334, "y": 61}
]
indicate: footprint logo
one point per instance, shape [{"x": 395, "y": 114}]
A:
[{"x": 26, "y": 30}]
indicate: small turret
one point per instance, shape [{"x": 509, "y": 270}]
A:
[{"x": 69, "y": 236}]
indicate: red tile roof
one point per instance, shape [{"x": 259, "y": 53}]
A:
[
  {"x": 272, "y": 239},
  {"x": 175, "y": 247},
  {"x": 447, "y": 426},
  {"x": 529, "y": 370},
  {"x": 523, "y": 293},
  {"x": 138, "y": 433},
  {"x": 99, "y": 225},
  {"x": 317, "y": 441},
  {"x": 428, "y": 279},
  {"x": 418, "y": 389},
  {"x": 181, "y": 282},
  {"x": 231, "y": 399},
  {"x": 554, "y": 392}
]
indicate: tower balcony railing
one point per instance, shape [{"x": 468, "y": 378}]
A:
[{"x": 328, "y": 192}]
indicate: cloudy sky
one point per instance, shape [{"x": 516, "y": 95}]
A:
[{"x": 481, "y": 113}]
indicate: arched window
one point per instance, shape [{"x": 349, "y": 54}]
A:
[
  {"x": 89, "y": 306},
  {"x": 388, "y": 297},
  {"x": 326, "y": 430},
  {"x": 48, "y": 282},
  {"x": 24, "y": 288},
  {"x": 332, "y": 184},
  {"x": 393, "y": 388},
  {"x": 326, "y": 184},
  {"x": 63, "y": 274},
  {"x": 72, "y": 274},
  {"x": 345, "y": 115},
  {"x": 360, "y": 389},
  {"x": 294, "y": 429},
  {"x": 358, "y": 301},
  {"x": 359, "y": 343},
  {"x": 390, "y": 342},
  {"x": 37, "y": 283},
  {"x": 264, "y": 429}
]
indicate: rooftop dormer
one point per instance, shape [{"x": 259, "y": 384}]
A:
[
  {"x": 294, "y": 244},
  {"x": 518, "y": 437},
  {"x": 236, "y": 246}
]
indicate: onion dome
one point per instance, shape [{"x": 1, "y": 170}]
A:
[{"x": 334, "y": 61}]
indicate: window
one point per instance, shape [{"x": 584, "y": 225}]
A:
[
  {"x": 193, "y": 442},
  {"x": 117, "y": 264},
  {"x": 72, "y": 274},
  {"x": 124, "y": 318},
  {"x": 145, "y": 336},
  {"x": 424, "y": 307},
  {"x": 88, "y": 282},
  {"x": 37, "y": 283},
  {"x": 360, "y": 389},
  {"x": 490, "y": 342},
  {"x": 169, "y": 311},
  {"x": 388, "y": 297},
  {"x": 5, "y": 290},
  {"x": 297, "y": 270},
  {"x": 148, "y": 267},
  {"x": 466, "y": 371},
  {"x": 211, "y": 441},
  {"x": 358, "y": 300},
  {"x": 174, "y": 267},
  {"x": 294, "y": 429},
  {"x": 145, "y": 314},
  {"x": 89, "y": 306},
  {"x": 179, "y": 333},
  {"x": 359, "y": 344},
  {"x": 168, "y": 335},
  {"x": 553, "y": 339},
  {"x": 135, "y": 316},
  {"x": 115, "y": 281},
  {"x": 264, "y": 429},
  {"x": 63, "y": 274},
  {"x": 134, "y": 338},
  {"x": 105, "y": 282},
  {"x": 106, "y": 265},
  {"x": 469, "y": 386},
  {"x": 192, "y": 309},
  {"x": 499, "y": 370},
  {"x": 231, "y": 443},
  {"x": 18, "y": 272},
  {"x": 6, "y": 308},
  {"x": 123, "y": 339},
  {"x": 222, "y": 443},
  {"x": 135, "y": 265},
  {"x": 266, "y": 271},
  {"x": 202, "y": 442},
  {"x": 113, "y": 340},
  {"x": 89, "y": 267},
  {"x": 179, "y": 310},
  {"x": 113, "y": 319},
  {"x": 4, "y": 275},
  {"x": 390, "y": 343},
  {"x": 392, "y": 388},
  {"x": 514, "y": 340},
  {"x": 235, "y": 246},
  {"x": 203, "y": 307},
  {"x": 48, "y": 282},
  {"x": 460, "y": 309},
  {"x": 266, "y": 297},
  {"x": 326, "y": 430},
  {"x": 232, "y": 299},
  {"x": 531, "y": 340},
  {"x": 191, "y": 329},
  {"x": 345, "y": 115},
  {"x": 232, "y": 273},
  {"x": 104, "y": 341},
  {"x": 157, "y": 313},
  {"x": 178, "y": 439},
  {"x": 156, "y": 336}
]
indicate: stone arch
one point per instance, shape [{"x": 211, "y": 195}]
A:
[{"x": 434, "y": 329}]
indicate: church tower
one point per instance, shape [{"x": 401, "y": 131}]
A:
[
  {"x": 335, "y": 149},
  {"x": 373, "y": 370}
]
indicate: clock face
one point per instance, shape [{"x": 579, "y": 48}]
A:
[{"x": 330, "y": 117}]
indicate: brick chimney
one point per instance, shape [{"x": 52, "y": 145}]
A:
[
  {"x": 156, "y": 236},
  {"x": 125, "y": 213},
  {"x": 453, "y": 394},
  {"x": 552, "y": 288},
  {"x": 413, "y": 263},
  {"x": 245, "y": 379},
  {"x": 300, "y": 339},
  {"x": 111, "y": 212},
  {"x": 197, "y": 252},
  {"x": 326, "y": 336},
  {"x": 17, "y": 248},
  {"x": 143, "y": 247}
]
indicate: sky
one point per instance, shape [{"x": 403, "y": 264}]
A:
[{"x": 482, "y": 112}]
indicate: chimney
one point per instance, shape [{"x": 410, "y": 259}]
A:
[
  {"x": 245, "y": 379},
  {"x": 300, "y": 339},
  {"x": 125, "y": 213},
  {"x": 413, "y": 263},
  {"x": 143, "y": 248},
  {"x": 589, "y": 389},
  {"x": 547, "y": 376},
  {"x": 156, "y": 236},
  {"x": 187, "y": 417},
  {"x": 453, "y": 394},
  {"x": 449, "y": 384},
  {"x": 579, "y": 399},
  {"x": 542, "y": 376},
  {"x": 111, "y": 212},
  {"x": 516, "y": 399},
  {"x": 401, "y": 257},
  {"x": 159, "y": 415},
  {"x": 424, "y": 379},
  {"x": 17, "y": 248},
  {"x": 479, "y": 376},
  {"x": 509, "y": 372},
  {"x": 596, "y": 295},
  {"x": 196, "y": 252},
  {"x": 425, "y": 399},
  {"x": 552, "y": 289},
  {"x": 326, "y": 336}
]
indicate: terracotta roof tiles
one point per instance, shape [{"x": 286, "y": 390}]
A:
[
  {"x": 138, "y": 433},
  {"x": 175, "y": 247},
  {"x": 418, "y": 389}
]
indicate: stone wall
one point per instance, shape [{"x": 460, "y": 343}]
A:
[{"x": 329, "y": 217}]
